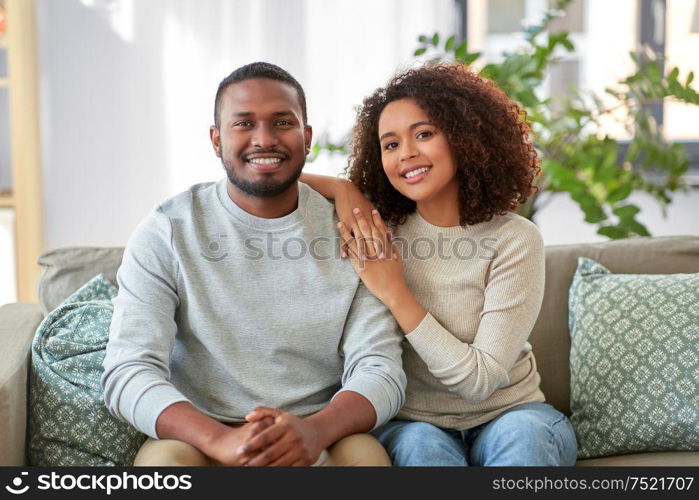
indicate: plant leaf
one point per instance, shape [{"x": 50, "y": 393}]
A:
[
  {"x": 471, "y": 57},
  {"x": 626, "y": 211},
  {"x": 613, "y": 232},
  {"x": 460, "y": 51},
  {"x": 620, "y": 193}
]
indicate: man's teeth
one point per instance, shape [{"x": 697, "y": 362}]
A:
[
  {"x": 415, "y": 172},
  {"x": 265, "y": 161}
]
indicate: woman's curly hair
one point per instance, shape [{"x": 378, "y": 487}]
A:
[{"x": 487, "y": 131}]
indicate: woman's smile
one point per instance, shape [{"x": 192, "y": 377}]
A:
[{"x": 413, "y": 175}]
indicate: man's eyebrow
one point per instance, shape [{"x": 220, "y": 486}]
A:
[
  {"x": 413, "y": 126},
  {"x": 245, "y": 114}
]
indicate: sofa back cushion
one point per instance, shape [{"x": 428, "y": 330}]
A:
[
  {"x": 550, "y": 337},
  {"x": 67, "y": 269}
]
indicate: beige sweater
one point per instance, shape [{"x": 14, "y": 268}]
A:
[{"x": 469, "y": 359}]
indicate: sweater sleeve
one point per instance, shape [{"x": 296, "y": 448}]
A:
[
  {"x": 513, "y": 294},
  {"x": 142, "y": 334},
  {"x": 371, "y": 347}
]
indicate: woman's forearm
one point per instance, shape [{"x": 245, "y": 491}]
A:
[
  {"x": 324, "y": 184},
  {"x": 406, "y": 309}
]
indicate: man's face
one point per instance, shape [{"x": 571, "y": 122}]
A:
[{"x": 262, "y": 141}]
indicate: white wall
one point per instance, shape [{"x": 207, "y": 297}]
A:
[
  {"x": 127, "y": 89},
  {"x": 562, "y": 220}
]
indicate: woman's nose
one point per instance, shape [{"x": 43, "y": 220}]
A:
[{"x": 407, "y": 152}]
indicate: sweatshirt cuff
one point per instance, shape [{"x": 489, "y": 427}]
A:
[
  {"x": 385, "y": 404},
  {"x": 435, "y": 345},
  {"x": 158, "y": 397}
]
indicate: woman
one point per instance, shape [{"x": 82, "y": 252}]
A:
[{"x": 446, "y": 158}]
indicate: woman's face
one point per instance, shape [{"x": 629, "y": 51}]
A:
[{"x": 415, "y": 154}]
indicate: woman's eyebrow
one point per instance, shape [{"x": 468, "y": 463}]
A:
[{"x": 413, "y": 126}]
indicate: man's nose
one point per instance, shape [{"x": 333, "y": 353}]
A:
[{"x": 264, "y": 137}]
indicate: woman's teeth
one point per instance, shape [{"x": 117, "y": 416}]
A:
[{"x": 415, "y": 172}]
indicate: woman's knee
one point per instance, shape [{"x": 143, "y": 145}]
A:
[
  {"x": 536, "y": 435},
  {"x": 424, "y": 444}
]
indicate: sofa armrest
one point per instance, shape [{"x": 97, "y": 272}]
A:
[{"x": 18, "y": 322}]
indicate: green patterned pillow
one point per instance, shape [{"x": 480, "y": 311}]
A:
[
  {"x": 69, "y": 423},
  {"x": 634, "y": 361}
]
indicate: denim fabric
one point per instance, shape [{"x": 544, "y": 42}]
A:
[{"x": 530, "y": 434}]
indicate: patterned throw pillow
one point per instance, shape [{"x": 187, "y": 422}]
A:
[
  {"x": 634, "y": 361},
  {"x": 69, "y": 423}
]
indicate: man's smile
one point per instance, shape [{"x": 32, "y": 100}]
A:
[{"x": 265, "y": 162}]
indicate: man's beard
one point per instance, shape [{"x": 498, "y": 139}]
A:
[{"x": 262, "y": 189}]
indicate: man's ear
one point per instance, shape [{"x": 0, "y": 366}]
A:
[
  {"x": 215, "y": 137},
  {"x": 308, "y": 136}
]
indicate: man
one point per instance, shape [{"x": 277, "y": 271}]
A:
[{"x": 234, "y": 304}]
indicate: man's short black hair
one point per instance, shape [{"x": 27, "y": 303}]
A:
[{"x": 259, "y": 70}]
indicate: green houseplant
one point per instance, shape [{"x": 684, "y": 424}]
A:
[{"x": 597, "y": 171}]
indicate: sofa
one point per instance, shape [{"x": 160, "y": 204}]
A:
[{"x": 65, "y": 270}]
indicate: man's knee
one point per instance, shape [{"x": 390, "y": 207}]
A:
[
  {"x": 169, "y": 453},
  {"x": 358, "y": 450}
]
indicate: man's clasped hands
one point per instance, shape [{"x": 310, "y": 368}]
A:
[{"x": 270, "y": 437}]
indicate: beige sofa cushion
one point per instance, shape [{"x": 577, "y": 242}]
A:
[
  {"x": 550, "y": 338},
  {"x": 67, "y": 269}
]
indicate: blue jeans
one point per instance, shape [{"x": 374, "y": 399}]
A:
[{"x": 530, "y": 434}]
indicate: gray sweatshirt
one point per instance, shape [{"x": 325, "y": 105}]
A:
[{"x": 230, "y": 311}]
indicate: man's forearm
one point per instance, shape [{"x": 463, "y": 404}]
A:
[
  {"x": 348, "y": 413},
  {"x": 182, "y": 421}
]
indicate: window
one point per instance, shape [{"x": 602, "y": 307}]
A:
[
  {"x": 604, "y": 33},
  {"x": 7, "y": 259},
  {"x": 20, "y": 187},
  {"x": 681, "y": 121}
]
